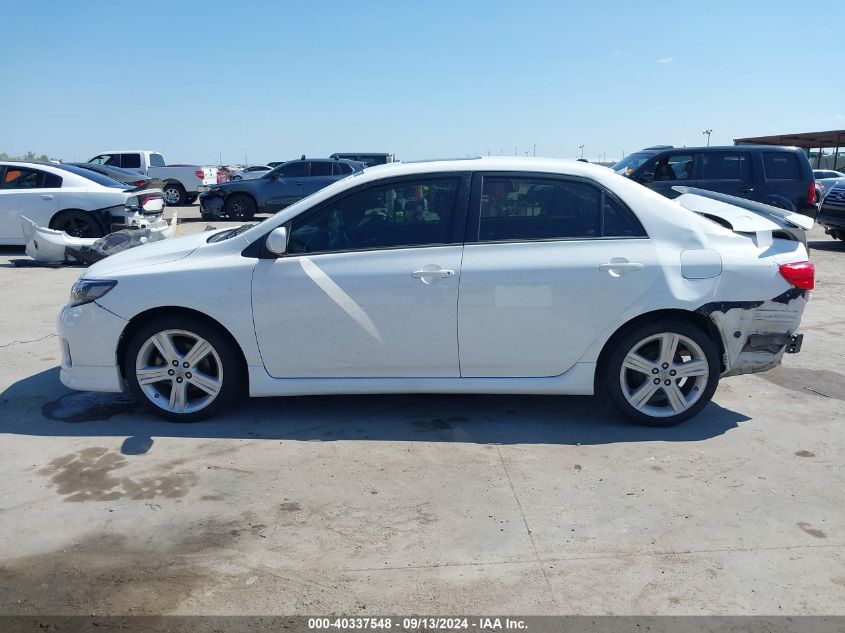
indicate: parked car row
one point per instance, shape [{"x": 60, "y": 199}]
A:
[{"x": 181, "y": 184}]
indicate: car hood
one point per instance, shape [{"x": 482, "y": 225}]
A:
[{"x": 147, "y": 255}]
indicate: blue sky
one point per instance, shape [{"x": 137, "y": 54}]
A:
[{"x": 274, "y": 80}]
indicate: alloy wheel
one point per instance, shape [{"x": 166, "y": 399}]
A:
[
  {"x": 664, "y": 374},
  {"x": 179, "y": 371}
]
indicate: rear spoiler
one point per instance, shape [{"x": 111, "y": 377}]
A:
[{"x": 790, "y": 217}]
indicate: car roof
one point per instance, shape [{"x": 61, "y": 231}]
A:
[{"x": 721, "y": 148}]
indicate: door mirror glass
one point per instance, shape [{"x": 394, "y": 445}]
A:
[
  {"x": 277, "y": 241},
  {"x": 275, "y": 176}
]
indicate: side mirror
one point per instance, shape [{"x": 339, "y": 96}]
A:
[
  {"x": 645, "y": 177},
  {"x": 275, "y": 176},
  {"x": 277, "y": 241}
]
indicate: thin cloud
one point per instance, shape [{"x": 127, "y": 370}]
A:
[{"x": 665, "y": 60}]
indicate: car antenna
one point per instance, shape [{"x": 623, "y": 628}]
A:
[{"x": 303, "y": 157}]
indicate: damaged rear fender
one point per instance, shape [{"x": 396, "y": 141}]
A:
[{"x": 756, "y": 334}]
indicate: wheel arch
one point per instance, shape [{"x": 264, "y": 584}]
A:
[
  {"x": 700, "y": 320},
  {"x": 95, "y": 213},
  {"x": 139, "y": 319}
]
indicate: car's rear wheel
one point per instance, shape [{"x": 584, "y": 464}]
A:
[
  {"x": 174, "y": 194},
  {"x": 662, "y": 373},
  {"x": 78, "y": 224},
  {"x": 239, "y": 207},
  {"x": 183, "y": 369}
]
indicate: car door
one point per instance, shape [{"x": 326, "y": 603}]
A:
[
  {"x": 725, "y": 172},
  {"x": 284, "y": 186},
  {"x": 369, "y": 285},
  {"x": 320, "y": 176},
  {"x": 26, "y": 191},
  {"x": 552, "y": 263}
]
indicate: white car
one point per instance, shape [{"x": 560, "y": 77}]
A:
[
  {"x": 487, "y": 275},
  {"x": 78, "y": 201},
  {"x": 250, "y": 173}
]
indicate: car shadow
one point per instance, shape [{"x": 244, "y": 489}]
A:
[{"x": 40, "y": 405}]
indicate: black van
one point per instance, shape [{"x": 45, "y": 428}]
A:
[{"x": 775, "y": 175}]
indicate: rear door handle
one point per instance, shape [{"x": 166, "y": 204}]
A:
[
  {"x": 747, "y": 190},
  {"x": 622, "y": 266},
  {"x": 46, "y": 196}
]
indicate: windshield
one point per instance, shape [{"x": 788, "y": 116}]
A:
[
  {"x": 93, "y": 175},
  {"x": 628, "y": 164}
]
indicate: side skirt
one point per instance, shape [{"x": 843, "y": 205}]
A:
[{"x": 578, "y": 381}]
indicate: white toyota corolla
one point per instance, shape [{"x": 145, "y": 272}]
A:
[{"x": 485, "y": 275}]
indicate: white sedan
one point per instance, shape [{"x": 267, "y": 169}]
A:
[
  {"x": 80, "y": 202},
  {"x": 488, "y": 275}
]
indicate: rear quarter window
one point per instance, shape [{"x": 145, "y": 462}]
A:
[{"x": 781, "y": 166}]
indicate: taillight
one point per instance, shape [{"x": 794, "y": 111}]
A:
[
  {"x": 200, "y": 174},
  {"x": 139, "y": 183},
  {"x": 811, "y": 196},
  {"x": 145, "y": 199},
  {"x": 800, "y": 274}
]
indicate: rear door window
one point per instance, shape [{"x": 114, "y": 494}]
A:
[
  {"x": 321, "y": 168},
  {"x": 781, "y": 166},
  {"x": 22, "y": 178},
  {"x": 156, "y": 160},
  {"x": 724, "y": 166}
]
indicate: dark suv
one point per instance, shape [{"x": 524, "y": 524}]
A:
[
  {"x": 276, "y": 189},
  {"x": 779, "y": 176}
]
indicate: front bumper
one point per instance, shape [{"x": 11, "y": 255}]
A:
[
  {"x": 211, "y": 205},
  {"x": 88, "y": 338}
]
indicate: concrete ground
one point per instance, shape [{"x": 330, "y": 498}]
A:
[{"x": 420, "y": 504}]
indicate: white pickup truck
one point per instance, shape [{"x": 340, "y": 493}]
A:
[{"x": 181, "y": 184}]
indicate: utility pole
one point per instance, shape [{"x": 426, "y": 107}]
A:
[
  {"x": 707, "y": 132},
  {"x": 514, "y": 150},
  {"x": 535, "y": 149},
  {"x": 581, "y": 147}
]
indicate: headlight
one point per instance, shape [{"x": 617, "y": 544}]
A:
[{"x": 88, "y": 290}]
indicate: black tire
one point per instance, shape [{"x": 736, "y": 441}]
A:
[
  {"x": 239, "y": 206},
  {"x": 231, "y": 373},
  {"x": 78, "y": 224},
  {"x": 174, "y": 194},
  {"x": 628, "y": 340},
  {"x": 190, "y": 199}
]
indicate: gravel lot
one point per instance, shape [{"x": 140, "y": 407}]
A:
[{"x": 420, "y": 504}]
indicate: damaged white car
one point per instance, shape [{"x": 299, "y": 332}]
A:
[
  {"x": 490, "y": 275},
  {"x": 71, "y": 200}
]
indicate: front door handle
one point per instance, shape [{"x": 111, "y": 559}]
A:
[
  {"x": 46, "y": 196},
  {"x": 429, "y": 273},
  {"x": 747, "y": 190}
]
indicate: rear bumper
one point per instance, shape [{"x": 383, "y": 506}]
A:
[{"x": 756, "y": 335}]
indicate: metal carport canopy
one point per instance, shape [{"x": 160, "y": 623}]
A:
[{"x": 806, "y": 140}]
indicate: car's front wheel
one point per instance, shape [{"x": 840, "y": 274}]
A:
[
  {"x": 239, "y": 207},
  {"x": 662, "y": 373},
  {"x": 183, "y": 369}
]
